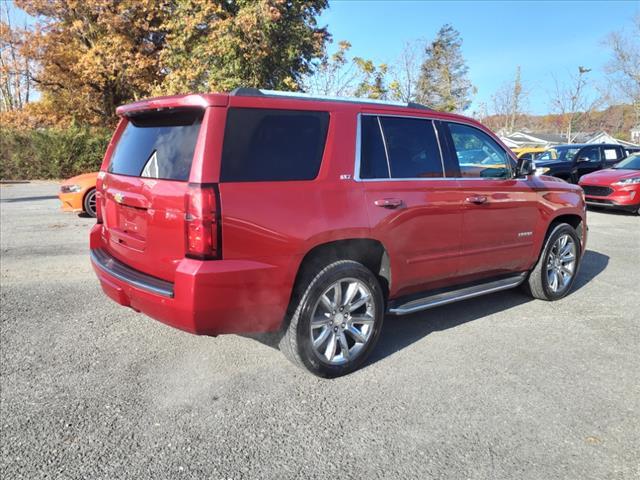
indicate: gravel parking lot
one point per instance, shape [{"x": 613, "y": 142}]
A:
[{"x": 496, "y": 387}]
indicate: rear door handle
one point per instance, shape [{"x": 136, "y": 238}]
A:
[
  {"x": 388, "y": 203},
  {"x": 477, "y": 199}
]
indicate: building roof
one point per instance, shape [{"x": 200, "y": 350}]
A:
[{"x": 533, "y": 139}]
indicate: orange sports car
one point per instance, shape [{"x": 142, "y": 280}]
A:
[{"x": 78, "y": 194}]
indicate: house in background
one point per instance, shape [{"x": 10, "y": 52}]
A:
[
  {"x": 634, "y": 134},
  {"x": 522, "y": 139}
]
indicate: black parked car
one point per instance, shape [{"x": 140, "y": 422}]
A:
[
  {"x": 632, "y": 150},
  {"x": 570, "y": 162}
]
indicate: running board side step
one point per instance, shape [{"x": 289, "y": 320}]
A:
[{"x": 451, "y": 296}]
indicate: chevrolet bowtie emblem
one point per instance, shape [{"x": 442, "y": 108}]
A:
[{"x": 118, "y": 197}]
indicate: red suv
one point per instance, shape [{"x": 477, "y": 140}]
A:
[{"x": 261, "y": 211}]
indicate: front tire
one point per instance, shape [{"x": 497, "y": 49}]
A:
[
  {"x": 89, "y": 203},
  {"x": 557, "y": 268},
  {"x": 337, "y": 320}
]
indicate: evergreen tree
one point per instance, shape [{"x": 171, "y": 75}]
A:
[{"x": 443, "y": 83}]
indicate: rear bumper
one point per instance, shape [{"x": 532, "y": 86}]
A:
[{"x": 206, "y": 297}]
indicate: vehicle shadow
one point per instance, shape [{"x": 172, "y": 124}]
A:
[
  {"x": 400, "y": 332},
  {"x": 611, "y": 211},
  {"x": 593, "y": 263},
  {"x": 27, "y": 199}
]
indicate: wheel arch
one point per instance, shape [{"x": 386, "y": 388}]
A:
[
  {"x": 368, "y": 251},
  {"x": 573, "y": 219},
  {"x": 576, "y": 221}
]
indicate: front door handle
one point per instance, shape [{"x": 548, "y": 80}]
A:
[
  {"x": 388, "y": 203},
  {"x": 477, "y": 199}
]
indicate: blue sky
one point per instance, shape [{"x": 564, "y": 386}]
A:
[{"x": 543, "y": 37}]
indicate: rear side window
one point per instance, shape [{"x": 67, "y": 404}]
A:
[
  {"x": 158, "y": 145},
  {"x": 412, "y": 147},
  {"x": 409, "y": 148},
  {"x": 373, "y": 160},
  {"x": 612, "y": 153},
  {"x": 272, "y": 145}
]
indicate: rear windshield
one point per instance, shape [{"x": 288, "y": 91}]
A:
[
  {"x": 158, "y": 145},
  {"x": 272, "y": 145}
]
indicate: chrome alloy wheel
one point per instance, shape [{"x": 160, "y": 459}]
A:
[
  {"x": 91, "y": 203},
  {"x": 561, "y": 263},
  {"x": 342, "y": 321}
]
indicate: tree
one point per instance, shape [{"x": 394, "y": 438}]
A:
[
  {"x": 406, "y": 72},
  {"x": 339, "y": 76},
  {"x": 219, "y": 45},
  {"x": 335, "y": 74},
  {"x": 95, "y": 55},
  {"x": 443, "y": 82},
  {"x": 624, "y": 66},
  {"x": 373, "y": 83},
  {"x": 15, "y": 69},
  {"x": 572, "y": 102},
  {"x": 508, "y": 102}
]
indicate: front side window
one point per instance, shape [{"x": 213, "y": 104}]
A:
[
  {"x": 272, "y": 145},
  {"x": 479, "y": 156},
  {"x": 590, "y": 154}
]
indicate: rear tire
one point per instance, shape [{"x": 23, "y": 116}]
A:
[
  {"x": 337, "y": 320},
  {"x": 89, "y": 203},
  {"x": 557, "y": 268}
]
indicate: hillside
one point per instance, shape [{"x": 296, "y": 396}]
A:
[{"x": 616, "y": 120}]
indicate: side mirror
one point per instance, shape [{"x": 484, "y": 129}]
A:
[
  {"x": 582, "y": 159},
  {"x": 525, "y": 167}
]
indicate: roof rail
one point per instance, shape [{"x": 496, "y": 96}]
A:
[{"x": 258, "y": 92}]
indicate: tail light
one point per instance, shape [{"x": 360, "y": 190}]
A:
[
  {"x": 99, "y": 197},
  {"x": 98, "y": 206},
  {"x": 202, "y": 223}
]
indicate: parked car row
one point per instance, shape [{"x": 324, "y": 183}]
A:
[
  {"x": 609, "y": 174},
  {"x": 570, "y": 162}
]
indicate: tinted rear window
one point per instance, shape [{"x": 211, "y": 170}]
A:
[
  {"x": 412, "y": 147},
  {"x": 158, "y": 145},
  {"x": 373, "y": 159},
  {"x": 272, "y": 145}
]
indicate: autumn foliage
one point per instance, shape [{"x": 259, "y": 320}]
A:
[{"x": 93, "y": 55}]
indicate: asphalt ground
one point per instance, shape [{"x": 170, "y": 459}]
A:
[{"x": 498, "y": 387}]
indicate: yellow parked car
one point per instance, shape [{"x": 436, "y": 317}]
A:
[{"x": 529, "y": 153}]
